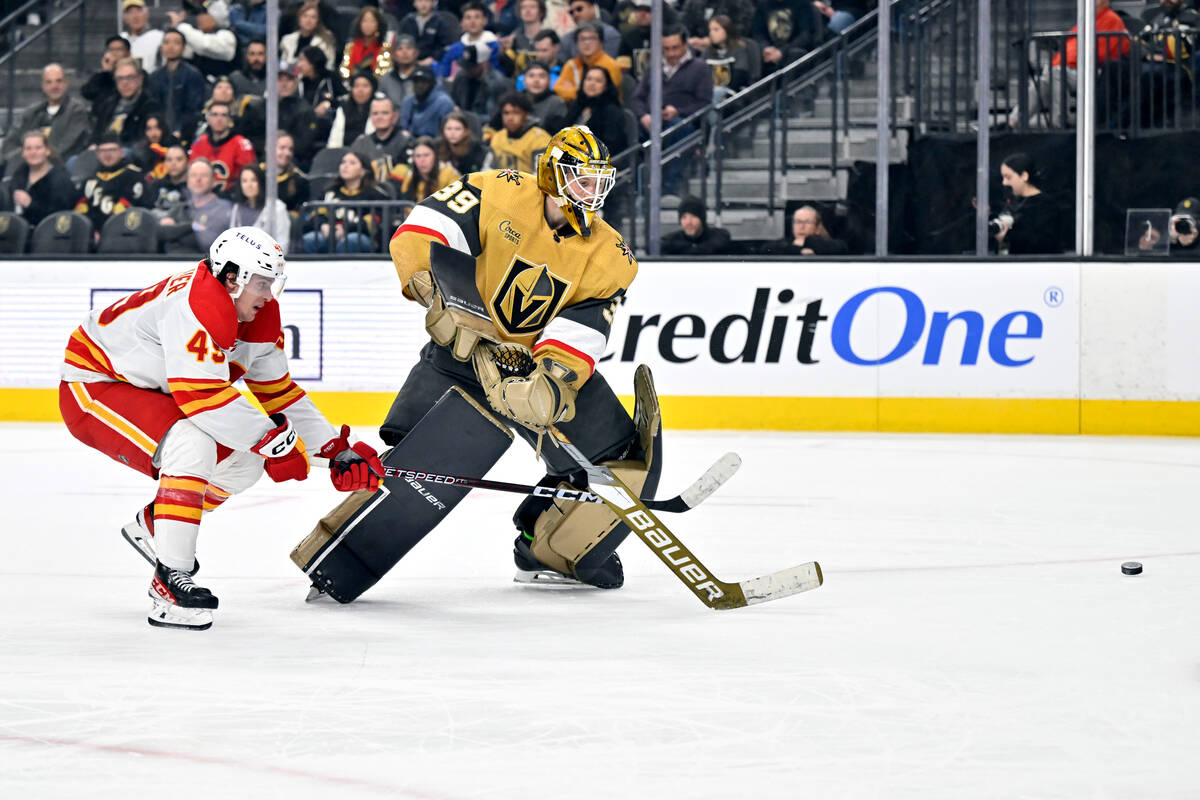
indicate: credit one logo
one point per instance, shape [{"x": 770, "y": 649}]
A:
[{"x": 753, "y": 338}]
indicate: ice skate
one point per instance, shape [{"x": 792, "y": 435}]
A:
[
  {"x": 178, "y": 601},
  {"x": 140, "y": 534},
  {"x": 531, "y": 571}
]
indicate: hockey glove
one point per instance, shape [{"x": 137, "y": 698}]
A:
[
  {"x": 351, "y": 466},
  {"x": 535, "y": 399},
  {"x": 286, "y": 459},
  {"x": 449, "y": 327}
]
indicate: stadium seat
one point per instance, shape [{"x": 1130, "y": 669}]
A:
[
  {"x": 14, "y": 233},
  {"x": 326, "y": 162},
  {"x": 131, "y": 231},
  {"x": 64, "y": 232}
]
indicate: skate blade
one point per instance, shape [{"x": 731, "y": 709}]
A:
[
  {"x": 546, "y": 577},
  {"x": 138, "y": 543},
  {"x": 315, "y": 593},
  {"x": 166, "y": 615}
]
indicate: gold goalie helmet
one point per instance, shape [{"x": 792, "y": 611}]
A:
[{"x": 575, "y": 171}]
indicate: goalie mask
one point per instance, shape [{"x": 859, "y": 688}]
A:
[
  {"x": 575, "y": 171},
  {"x": 253, "y": 252}
]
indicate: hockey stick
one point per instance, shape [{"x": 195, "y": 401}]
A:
[
  {"x": 716, "y": 475},
  {"x": 711, "y": 590}
]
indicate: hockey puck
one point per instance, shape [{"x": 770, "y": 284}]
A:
[{"x": 1131, "y": 568}]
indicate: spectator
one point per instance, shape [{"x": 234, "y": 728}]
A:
[
  {"x": 687, "y": 83},
  {"x": 585, "y": 13},
  {"x": 424, "y": 110},
  {"x": 424, "y": 174},
  {"x": 429, "y": 30},
  {"x": 634, "y": 52},
  {"x": 387, "y": 145},
  {"x": 193, "y": 225},
  {"x": 251, "y": 79},
  {"x": 297, "y": 118},
  {"x": 309, "y": 32},
  {"x": 809, "y": 237},
  {"x": 518, "y": 142},
  {"x": 101, "y": 86},
  {"x": 459, "y": 148},
  {"x": 162, "y": 194},
  {"x": 587, "y": 42},
  {"x": 548, "y": 108},
  {"x": 695, "y": 237},
  {"x": 292, "y": 185},
  {"x": 734, "y": 66},
  {"x": 599, "y": 108},
  {"x": 40, "y": 187},
  {"x": 150, "y": 152},
  {"x": 546, "y": 46},
  {"x": 65, "y": 116},
  {"x": 349, "y": 229},
  {"x": 477, "y": 86},
  {"x": 144, "y": 41},
  {"x": 124, "y": 113},
  {"x": 1168, "y": 48},
  {"x": 223, "y": 92},
  {"x": 369, "y": 47},
  {"x": 211, "y": 47},
  {"x": 248, "y": 20},
  {"x": 397, "y": 82},
  {"x": 474, "y": 36},
  {"x": 320, "y": 87},
  {"x": 696, "y": 14},
  {"x": 517, "y": 47},
  {"x": 249, "y": 201},
  {"x": 179, "y": 86},
  {"x": 787, "y": 29},
  {"x": 1033, "y": 225},
  {"x": 226, "y": 152},
  {"x": 837, "y": 20},
  {"x": 1046, "y": 90},
  {"x": 353, "y": 118},
  {"x": 114, "y": 186},
  {"x": 1185, "y": 229}
]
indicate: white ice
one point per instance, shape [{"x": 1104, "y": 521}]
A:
[{"x": 975, "y": 637}]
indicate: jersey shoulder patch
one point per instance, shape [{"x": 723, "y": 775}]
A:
[
  {"x": 265, "y": 328},
  {"x": 213, "y": 307}
]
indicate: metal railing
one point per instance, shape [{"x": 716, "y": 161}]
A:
[
  {"x": 376, "y": 220},
  {"x": 16, "y": 39}
]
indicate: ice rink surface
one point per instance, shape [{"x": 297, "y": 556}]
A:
[{"x": 975, "y": 637}]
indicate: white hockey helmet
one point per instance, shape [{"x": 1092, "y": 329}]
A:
[{"x": 253, "y": 251}]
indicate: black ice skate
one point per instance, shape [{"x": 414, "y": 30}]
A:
[
  {"x": 609, "y": 575},
  {"x": 140, "y": 534},
  {"x": 178, "y": 601}
]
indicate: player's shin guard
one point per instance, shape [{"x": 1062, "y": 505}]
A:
[
  {"x": 356, "y": 544},
  {"x": 579, "y": 540}
]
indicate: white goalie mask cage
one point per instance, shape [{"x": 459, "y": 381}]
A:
[
  {"x": 573, "y": 177},
  {"x": 254, "y": 252}
]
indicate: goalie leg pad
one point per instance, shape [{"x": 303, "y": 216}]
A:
[
  {"x": 578, "y": 538},
  {"x": 359, "y": 541}
]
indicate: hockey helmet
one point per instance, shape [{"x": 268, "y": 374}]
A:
[
  {"x": 253, "y": 252},
  {"x": 575, "y": 172}
]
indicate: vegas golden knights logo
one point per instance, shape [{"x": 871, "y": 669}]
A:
[
  {"x": 132, "y": 219},
  {"x": 63, "y": 224},
  {"x": 528, "y": 297}
]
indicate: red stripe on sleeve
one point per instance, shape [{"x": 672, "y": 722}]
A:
[
  {"x": 406, "y": 228},
  {"x": 591, "y": 362}
]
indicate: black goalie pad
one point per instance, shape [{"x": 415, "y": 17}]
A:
[{"x": 356, "y": 544}]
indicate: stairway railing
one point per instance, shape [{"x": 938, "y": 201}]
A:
[{"x": 15, "y": 39}]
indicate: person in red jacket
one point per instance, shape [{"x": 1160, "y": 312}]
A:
[
  {"x": 1045, "y": 87},
  {"x": 227, "y": 151}
]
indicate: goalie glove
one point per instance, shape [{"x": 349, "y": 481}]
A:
[
  {"x": 351, "y": 466},
  {"x": 536, "y": 395},
  {"x": 448, "y": 327},
  {"x": 283, "y": 451}
]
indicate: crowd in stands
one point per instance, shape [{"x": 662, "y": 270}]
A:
[{"x": 386, "y": 104}]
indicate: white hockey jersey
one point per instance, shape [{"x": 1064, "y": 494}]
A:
[{"x": 182, "y": 337}]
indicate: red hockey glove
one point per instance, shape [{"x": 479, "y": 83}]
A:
[
  {"x": 351, "y": 466},
  {"x": 285, "y": 457}
]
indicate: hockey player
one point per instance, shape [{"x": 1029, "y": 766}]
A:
[
  {"x": 551, "y": 274},
  {"x": 148, "y": 382}
]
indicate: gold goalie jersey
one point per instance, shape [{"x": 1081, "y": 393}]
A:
[{"x": 552, "y": 292}]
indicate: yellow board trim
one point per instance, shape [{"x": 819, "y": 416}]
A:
[{"x": 891, "y": 414}]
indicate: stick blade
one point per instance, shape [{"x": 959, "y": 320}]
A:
[
  {"x": 713, "y": 479},
  {"x": 786, "y": 582}
]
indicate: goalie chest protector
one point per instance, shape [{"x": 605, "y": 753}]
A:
[{"x": 359, "y": 541}]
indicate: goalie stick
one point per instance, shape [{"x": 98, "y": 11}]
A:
[{"x": 716, "y": 475}]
